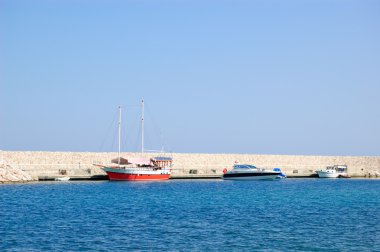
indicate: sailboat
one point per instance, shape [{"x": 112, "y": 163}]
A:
[{"x": 157, "y": 168}]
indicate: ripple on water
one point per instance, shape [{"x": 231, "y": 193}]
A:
[{"x": 291, "y": 214}]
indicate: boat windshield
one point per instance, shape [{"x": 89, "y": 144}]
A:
[
  {"x": 244, "y": 166},
  {"x": 341, "y": 168}
]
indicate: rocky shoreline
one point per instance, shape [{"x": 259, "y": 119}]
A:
[{"x": 10, "y": 174}]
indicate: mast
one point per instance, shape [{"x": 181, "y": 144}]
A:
[
  {"x": 142, "y": 125},
  {"x": 119, "y": 133}
]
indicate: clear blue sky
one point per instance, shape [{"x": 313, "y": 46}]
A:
[{"x": 265, "y": 76}]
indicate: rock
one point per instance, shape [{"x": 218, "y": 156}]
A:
[{"x": 12, "y": 174}]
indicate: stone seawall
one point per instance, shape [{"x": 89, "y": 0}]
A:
[{"x": 80, "y": 164}]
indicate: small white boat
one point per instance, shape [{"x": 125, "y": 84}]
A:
[
  {"x": 62, "y": 179},
  {"x": 336, "y": 171},
  {"x": 250, "y": 172}
]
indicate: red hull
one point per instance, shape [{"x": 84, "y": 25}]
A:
[{"x": 125, "y": 176}]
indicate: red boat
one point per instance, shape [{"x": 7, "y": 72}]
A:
[{"x": 158, "y": 168}]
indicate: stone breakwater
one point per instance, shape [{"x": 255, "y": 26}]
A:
[{"x": 39, "y": 165}]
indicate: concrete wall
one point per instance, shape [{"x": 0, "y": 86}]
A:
[{"x": 80, "y": 164}]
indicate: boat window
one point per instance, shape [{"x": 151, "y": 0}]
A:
[{"x": 244, "y": 166}]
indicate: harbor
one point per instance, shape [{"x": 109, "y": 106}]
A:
[{"x": 189, "y": 126}]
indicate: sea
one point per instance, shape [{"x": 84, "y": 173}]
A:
[{"x": 192, "y": 215}]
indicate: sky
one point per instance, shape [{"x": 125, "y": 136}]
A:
[{"x": 298, "y": 77}]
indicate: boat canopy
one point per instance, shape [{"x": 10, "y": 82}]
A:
[
  {"x": 162, "y": 159},
  {"x": 244, "y": 166}
]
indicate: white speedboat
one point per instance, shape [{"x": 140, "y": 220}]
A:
[
  {"x": 282, "y": 175},
  {"x": 336, "y": 171},
  {"x": 250, "y": 172}
]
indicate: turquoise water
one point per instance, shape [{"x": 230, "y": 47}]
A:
[{"x": 192, "y": 215}]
